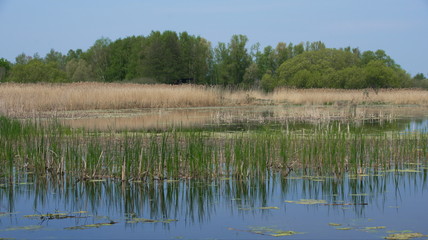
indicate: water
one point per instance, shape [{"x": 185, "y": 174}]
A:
[
  {"x": 222, "y": 209},
  {"x": 405, "y": 118},
  {"x": 368, "y": 206}
]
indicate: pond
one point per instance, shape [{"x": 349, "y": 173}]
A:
[
  {"x": 371, "y": 195},
  {"x": 369, "y": 206},
  {"x": 224, "y": 118}
]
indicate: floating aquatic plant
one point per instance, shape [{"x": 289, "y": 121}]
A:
[
  {"x": 334, "y": 224},
  {"x": 404, "y": 236},
  {"x": 269, "y": 231},
  {"x": 267, "y": 208},
  {"x": 89, "y": 226},
  {"x": 308, "y": 201},
  {"x": 28, "y": 228},
  {"x": 344, "y": 228},
  {"x": 145, "y": 220}
]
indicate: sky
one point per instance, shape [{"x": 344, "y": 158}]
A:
[{"x": 400, "y": 27}]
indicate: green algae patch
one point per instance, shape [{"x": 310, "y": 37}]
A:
[
  {"x": 308, "y": 202},
  {"x": 4, "y": 214},
  {"x": 334, "y": 224},
  {"x": 268, "y": 208},
  {"x": 25, "y": 228},
  {"x": 374, "y": 228},
  {"x": 51, "y": 216},
  {"x": 267, "y": 231},
  {"x": 80, "y": 212},
  {"x": 283, "y": 233},
  {"x": 344, "y": 228},
  {"x": 89, "y": 226},
  {"x": 405, "y": 236},
  {"x": 404, "y": 231},
  {"x": 145, "y": 220}
]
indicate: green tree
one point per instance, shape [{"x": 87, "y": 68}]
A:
[
  {"x": 379, "y": 75},
  {"x": 98, "y": 56},
  {"x": 5, "y": 66},
  {"x": 282, "y": 54},
  {"x": 22, "y": 59},
  {"x": 195, "y": 55},
  {"x": 315, "y": 68},
  {"x": 419, "y": 76},
  {"x": 78, "y": 70},
  {"x": 37, "y": 71},
  {"x": 251, "y": 77},
  {"x": 161, "y": 58},
  {"x": 240, "y": 60},
  {"x": 221, "y": 65},
  {"x": 56, "y": 58},
  {"x": 269, "y": 82},
  {"x": 71, "y": 54}
]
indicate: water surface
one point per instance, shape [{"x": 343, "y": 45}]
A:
[{"x": 222, "y": 209}]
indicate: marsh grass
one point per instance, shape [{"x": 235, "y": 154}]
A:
[
  {"x": 29, "y": 100},
  {"x": 324, "y": 150}
]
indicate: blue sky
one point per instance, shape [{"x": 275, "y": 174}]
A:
[{"x": 400, "y": 27}]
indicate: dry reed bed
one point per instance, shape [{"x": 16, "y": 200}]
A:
[
  {"x": 30, "y": 99},
  {"x": 342, "y": 96},
  {"x": 26, "y": 98}
]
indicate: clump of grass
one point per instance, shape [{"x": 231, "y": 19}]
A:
[{"x": 323, "y": 150}]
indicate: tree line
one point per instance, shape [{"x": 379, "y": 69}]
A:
[{"x": 175, "y": 58}]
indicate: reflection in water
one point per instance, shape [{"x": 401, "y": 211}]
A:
[
  {"x": 199, "y": 206},
  {"x": 196, "y": 201},
  {"x": 420, "y": 125},
  {"x": 212, "y": 117}
]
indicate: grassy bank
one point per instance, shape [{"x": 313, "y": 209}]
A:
[
  {"x": 26, "y": 100},
  {"x": 328, "y": 150}
]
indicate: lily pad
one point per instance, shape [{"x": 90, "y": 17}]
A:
[
  {"x": 267, "y": 208},
  {"x": 308, "y": 201},
  {"x": 3, "y": 214},
  {"x": 80, "y": 212},
  {"x": 374, "y": 228},
  {"x": 283, "y": 233},
  {"x": 334, "y": 224},
  {"x": 145, "y": 220},
  {"x": 404, "y": 236},
  {"x": 88, "y": 226},
  {"x": 404, "y": 231},
  {"x": 268, "y": 231},
  {"x": 28, "y": 228},
  {"x": 51, "y": 216},
  {"x": 358, "y": 194}
]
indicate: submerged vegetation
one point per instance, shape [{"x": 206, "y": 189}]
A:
[{"x": 333, "y": 149}]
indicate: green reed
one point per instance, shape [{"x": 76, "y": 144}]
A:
[{"x": 324, "y": 150}]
